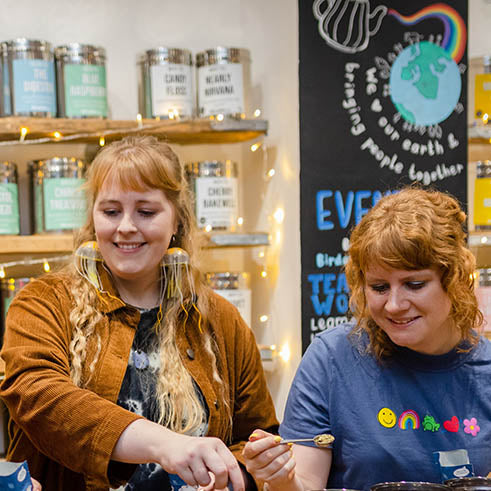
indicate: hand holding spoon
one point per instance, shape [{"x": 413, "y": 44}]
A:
[{"x": 322, "y": 441}]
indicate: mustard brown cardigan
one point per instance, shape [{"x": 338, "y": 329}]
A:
[{"x": 66, "y": 433}]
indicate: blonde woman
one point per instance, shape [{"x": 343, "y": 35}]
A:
[
  {"x": 125, "y": 370},
  {"x": 408, "y": 380}
]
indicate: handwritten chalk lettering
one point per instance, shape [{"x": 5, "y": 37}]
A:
[
  {"x": 323, "y": 260},
  {"x": 452, "y": 141},
  {"x": 371, "y": 81},
  {"x": 344, "y": 209},
  {"x": 323, "y": 323},
  {"x": 432, "y": 147},
  {"x": 441, "y": 172},
  {"x": 349, "y": 103},
  {"x": 389, "y": 130},
  {"x": 384, "y": 160},
  {"x": 328, "y": 291}
]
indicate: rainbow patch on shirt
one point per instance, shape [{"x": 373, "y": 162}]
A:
[{"x": 408, "y": 419}]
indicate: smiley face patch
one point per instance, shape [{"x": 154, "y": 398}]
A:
[{"x": 386, "y": 417}]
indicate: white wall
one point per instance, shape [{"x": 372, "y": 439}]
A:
[{"x": 268, "y": 28}]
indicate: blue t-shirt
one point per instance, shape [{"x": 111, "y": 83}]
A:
[{"x": 388, "y": 418}]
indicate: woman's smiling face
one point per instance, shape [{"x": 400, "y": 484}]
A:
[
  {"x": 412, "y": 308},
  {"x": 133, "y": 230}
]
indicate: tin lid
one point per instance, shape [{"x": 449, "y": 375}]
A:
[
  {"x": 408, "y": 486},
  {"x": 227, "y": 280},
  {"x": 476, "y": 483},
  {"x": 57, "y": 164},
  {"x": 212, "y": 168},
  {"x": 23, "y": 44},
  {"x": 162, "y": 54},
  {"x": 77, "y": 49},
  {"x": 8, "y": 170},
  {"x": 221, "y": 54}
]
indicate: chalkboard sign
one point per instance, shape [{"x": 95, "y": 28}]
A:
[{"x": 382, "y": 104}]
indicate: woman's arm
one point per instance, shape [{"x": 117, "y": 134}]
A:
[
  {"x": 286, "y": 468},
  {"x": 192, "y": 458}
]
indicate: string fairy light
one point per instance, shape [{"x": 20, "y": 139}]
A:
[
  {"x": 23, "y": 133},
  {"x": 46, "y": 266},
  {"x": 102, "y": 141}
]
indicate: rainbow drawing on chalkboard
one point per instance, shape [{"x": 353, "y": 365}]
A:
[{"x": 455, "y": 32}]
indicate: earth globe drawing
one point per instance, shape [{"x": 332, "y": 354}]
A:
[{"x": 425, "y": 84}]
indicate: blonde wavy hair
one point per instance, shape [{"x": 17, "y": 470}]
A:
[
  {"x": 142, "y": 163},
  {"x": 410, "y": 230}
]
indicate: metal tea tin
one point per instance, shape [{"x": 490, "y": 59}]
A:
[
  {"x": 166, "y": 83},
  {"x": 215, "y": 187},
  {"x": 476, "y": 483},
  {"x": 482, "y": 196},
  {"x": 9, "y": 199},
  {"x": 81, "y": 81},
  {"x": 58, "y": 202},
  {"x": 31, "y": 78},
  {"x": 222, "y": 81},
  {"x": 234, "y": 287}
]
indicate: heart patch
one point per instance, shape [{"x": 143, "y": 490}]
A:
[{"x": 452, "y": 424}]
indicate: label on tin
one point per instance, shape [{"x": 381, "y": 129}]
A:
[
  {"x": 7, "y": 108},
  {"x": 172, "y": 90},
  {"x": 9, "y": 209},
  {"x": 85, "y": 91},
  {"x": 64, "y": 203},
  {"x": 482, "y": 201},
  {"x": 241, "y": 299},
  {"x": 221, "y": 89},
  {"x": 216, "y": 202},
  {"x": 34, "y": 86}
]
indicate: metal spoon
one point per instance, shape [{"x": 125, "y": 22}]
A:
[{"x": 323, "y": 440}]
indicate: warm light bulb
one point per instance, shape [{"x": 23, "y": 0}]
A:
[
  {"x": 139, "y": 120},
  {"x": 255, "y": 146},
  {"x": 219, "y": 117},
  {"x": 46, "y": 266},
  {"x": 57, "y": 135},
  {"x": 279, "y": 215},
  {"x": 23, "y": 133},
  {"x": 240, "y": 221},
  {"x": 271, "y": 173},
  {"x": 485, "y": 117},
  {"x": 257, "y": 113},
  {"x": 285, "y": 352},
  {"x": 261, "y": 254},
  {"x": 263, "y": 318},
  {"x": 484, "y": 240},
  {"x": 102, "y": 141},
  {"x": 208, "y": 228},
  {"x": 2, "y": 272},
  {"x": 264, "y": 274}
]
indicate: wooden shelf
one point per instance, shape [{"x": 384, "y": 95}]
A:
[
  {"x": 41, "y": 130},
  {"x": 23, "y": 255}
]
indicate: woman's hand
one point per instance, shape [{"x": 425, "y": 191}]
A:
[
  {"x": 202, "y": 461},
  {"x": 191, "y": 458},
  {"x": 268, "y": 460}
]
